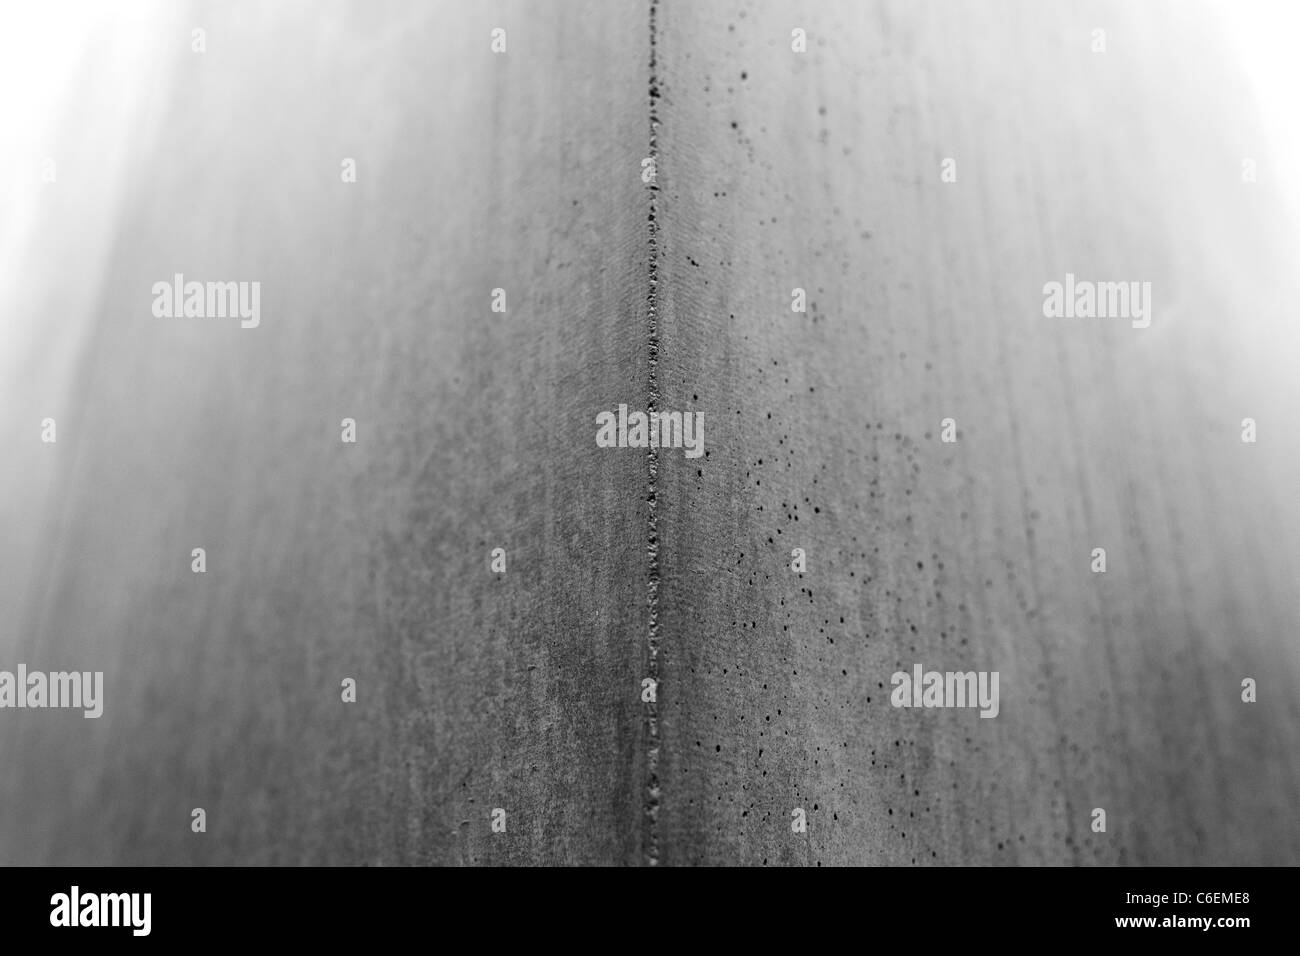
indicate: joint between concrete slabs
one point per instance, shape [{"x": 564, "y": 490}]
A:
[{"x": 651, "y": 834}]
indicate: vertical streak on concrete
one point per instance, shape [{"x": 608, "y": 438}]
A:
[{"x": 651, "y": 836}]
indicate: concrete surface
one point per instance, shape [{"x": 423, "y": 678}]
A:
[
  {"x": 328, "y": 560},
  {"x": 775, "y": 170},
  {"x": 1119, "y": 691}
]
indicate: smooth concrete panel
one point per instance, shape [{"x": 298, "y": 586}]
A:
[{"x": 327, "y": 560}]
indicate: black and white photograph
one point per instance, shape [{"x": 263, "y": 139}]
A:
[{"x": 680, "y": 434}]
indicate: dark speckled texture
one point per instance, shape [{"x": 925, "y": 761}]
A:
[{"x": 1120, "y": 691}]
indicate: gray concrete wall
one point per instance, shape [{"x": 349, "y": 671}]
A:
[
  {"x": 776, "y": 170},
  {"x": 1121, "y": 691},
  {"x": 328, "y": 560}
]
